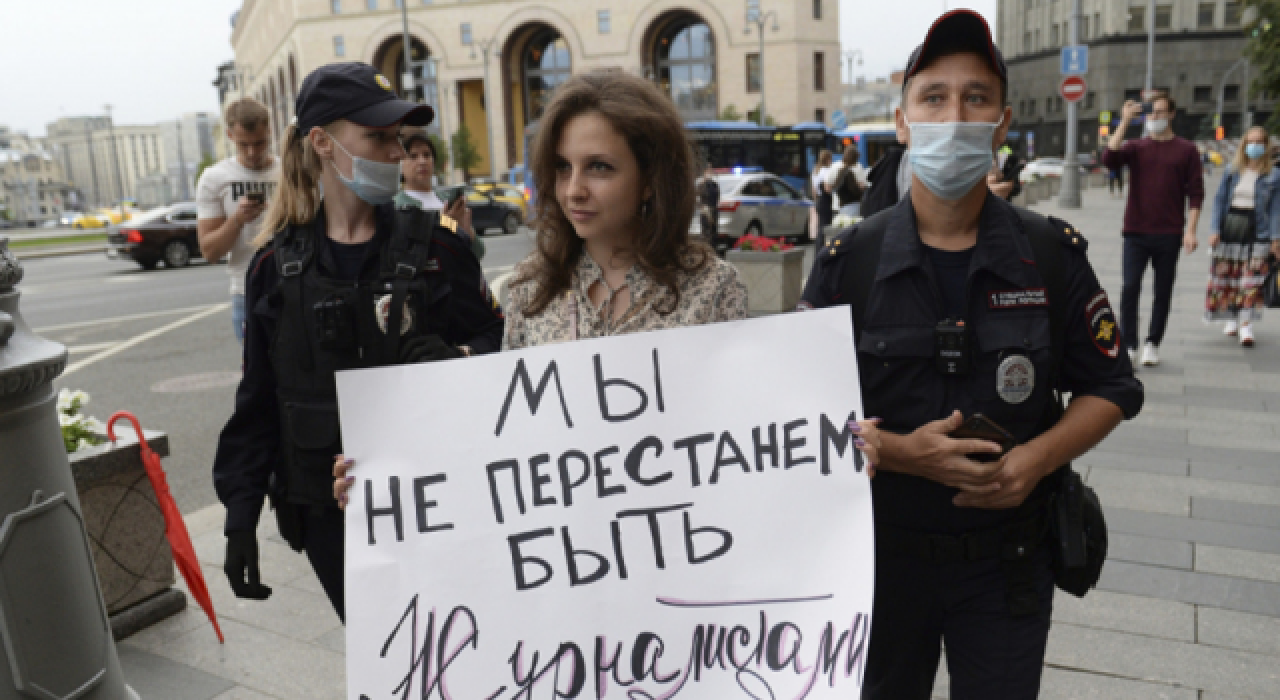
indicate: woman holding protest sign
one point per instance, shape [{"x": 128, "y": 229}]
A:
[
  {"x": 343, "y": 280},
  {"x": 613, "y": 252}
]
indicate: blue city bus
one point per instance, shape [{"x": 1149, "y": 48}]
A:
[
  {"x": 789, "y": 152},
  {"x": 873, "y": 139}
]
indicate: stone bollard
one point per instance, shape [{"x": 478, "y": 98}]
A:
[{"x": 54, "y": 633}]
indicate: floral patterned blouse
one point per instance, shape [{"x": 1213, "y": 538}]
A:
[{"x": 714, "y": 293}]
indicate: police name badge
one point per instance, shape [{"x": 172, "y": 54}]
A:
[
  {"x": 1015, "y": 379},
  {"x": 382, "y": 311}
]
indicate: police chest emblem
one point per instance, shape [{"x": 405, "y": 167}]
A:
[
  {"x": 382, "y": 311},
  {"x": 1102, "y": 325},
  {"x": 1015, "y": 378}
]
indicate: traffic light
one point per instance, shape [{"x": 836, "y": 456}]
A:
[{"x": 1220, "y": 133}]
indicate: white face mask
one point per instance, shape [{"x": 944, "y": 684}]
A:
[
  {"x": 1157, "y": 126},
  {"x": 374, "y": 182},
  {"x": 950, "y": 158}
]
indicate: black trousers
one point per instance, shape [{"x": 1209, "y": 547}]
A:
[
  {"x": 990, "y": 653},
  {"x": 323, "y": 540},
  {"x": 1161, "y": 251}
]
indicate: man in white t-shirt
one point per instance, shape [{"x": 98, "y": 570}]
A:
[{"x": 232, "y": 194}]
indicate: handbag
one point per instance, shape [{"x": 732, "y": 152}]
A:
[
  {"x": 1271, "y": 285},
  {"x": 1079, "y": 535}
]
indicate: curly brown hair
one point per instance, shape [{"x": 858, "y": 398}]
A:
[{"x": 651, "y": 125}]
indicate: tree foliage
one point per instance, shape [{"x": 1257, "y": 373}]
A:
[
  {"x": 442, "y": 152},
  {"x": 730, "y": 114},
  {"x": 1263, "y": 52},
  {"x": 464, "y": 150}
]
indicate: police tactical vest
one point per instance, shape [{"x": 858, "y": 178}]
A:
[{"x": 328, "y": 325}]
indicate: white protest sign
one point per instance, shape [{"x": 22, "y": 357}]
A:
[{"x": 671, "y": 514}]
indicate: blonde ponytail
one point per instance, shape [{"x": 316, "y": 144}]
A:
[{"x": 297, "y": 197}]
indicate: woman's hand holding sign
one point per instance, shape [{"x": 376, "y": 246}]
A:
[{"x": 342, "y": 482}]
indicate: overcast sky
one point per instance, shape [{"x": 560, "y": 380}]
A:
[{"x": 155, "y": 59}]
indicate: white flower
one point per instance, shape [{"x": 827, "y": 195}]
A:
[
  {"x": 80, "y": 396},
  {"x": 66, "y": 420},
  {"x": 64, "y": 400},
  {"x": 83, "y": 444},
  {"x": 95, "y": 426}
]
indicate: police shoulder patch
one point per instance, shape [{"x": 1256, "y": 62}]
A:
[
  {"x": 837, "y": 245},
  {"x": 448, "y": 222},
  {"x": 1102, "y": 324},
  {"x": 1071, "y": 236}
]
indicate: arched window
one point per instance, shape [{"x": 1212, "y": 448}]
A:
[
  {"x": 685, "y": 63},
  {"x": 546, "y": 66}
]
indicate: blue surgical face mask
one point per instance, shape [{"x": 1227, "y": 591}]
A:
[
  {"x": 951, "y": 158},
  {"x": 1255, "y": 150},
  {"x": 374, "y": 182}
]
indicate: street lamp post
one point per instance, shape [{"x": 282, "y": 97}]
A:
[
  {"x": 754, "y": 16},
  {"x": 115, "y": 157},
  {"x": 486, "y": 45},
  {"x": 1222, "y": 86},
  {"x": 1069, "y": 198},
  {"x": 1151, "y": 44},
  {"x": 848, "y": 58},
  {"x": 406, "y": 79}
]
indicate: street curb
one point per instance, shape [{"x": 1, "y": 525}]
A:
[{"x": 57, "y": 252}]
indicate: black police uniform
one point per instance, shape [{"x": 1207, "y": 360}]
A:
[
  {"x": 944, "y": 572},
  {"x": 315, "y": 307}
]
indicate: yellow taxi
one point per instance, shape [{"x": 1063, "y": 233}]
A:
[
  {"x": 101, "y": 218},
  {"x": 505, "y": 193}
]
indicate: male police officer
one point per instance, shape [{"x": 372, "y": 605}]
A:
[{"x": 963, "y": 305}]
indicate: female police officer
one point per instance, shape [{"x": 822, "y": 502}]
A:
[
  {"x": 963, "y": 304},
  {"x": 343, "y": 280}
]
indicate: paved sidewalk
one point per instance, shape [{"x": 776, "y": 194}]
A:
[{"x": 1189, "y": 603}]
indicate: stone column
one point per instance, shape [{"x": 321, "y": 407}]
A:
[{"x": 54, "y": 636}]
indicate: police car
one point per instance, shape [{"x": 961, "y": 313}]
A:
[{"x": 761, "y": 204}]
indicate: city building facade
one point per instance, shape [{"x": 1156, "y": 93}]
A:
[
  {"x": 1197, "y": 60},
  {"x": 33, "y": 188},
  {"x": 103, "y": 160},
  {"x": 704, "y": 53}
]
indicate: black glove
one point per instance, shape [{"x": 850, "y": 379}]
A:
[
  {"x": 427, "y": 348},
  {"x": 242, "y": 556}
]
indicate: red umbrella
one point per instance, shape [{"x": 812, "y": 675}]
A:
[{"x": 184, "y": 554}]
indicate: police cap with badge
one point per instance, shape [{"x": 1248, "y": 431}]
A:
[{"x": 356, "y": 92}]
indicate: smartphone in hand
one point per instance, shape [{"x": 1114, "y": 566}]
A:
[
  {"x": 257, "y": 197},
  {"x": 449, "y": 195},
  {"x": 979, "y": 427}
]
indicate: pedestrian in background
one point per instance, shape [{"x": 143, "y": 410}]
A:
[
  {"x": 709, "y": 203},
  {"x": 231, "y": 196},
  {"x": 418, "y": 173},
  {"x": 1115, "y": 182},
  {"x": 1165, "y": 180},
  {"x": 821, "y": 215},
  {"x": 1245, "y": 236},
  {"x": 846, "y": 186},
  {"x": 343, "y": 280}
]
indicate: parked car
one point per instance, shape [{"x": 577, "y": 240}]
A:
[
  {"x": 490, "y": 211},
  {"x": 761, "y": 204},
  {"x": 165, "y": 234}
]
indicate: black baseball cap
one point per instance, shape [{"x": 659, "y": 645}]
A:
[
  {"x": 953, "y": 32},
  {"x": 356, "y": 92}
]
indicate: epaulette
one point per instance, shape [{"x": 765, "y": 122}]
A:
[
  {"x": 1071, "y": 237},
  {"x": 837, "y": 245},
  {"x": 448, "y": 222}
]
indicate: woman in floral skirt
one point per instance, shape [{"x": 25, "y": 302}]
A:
[{"x": 1246, "y": 236}]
